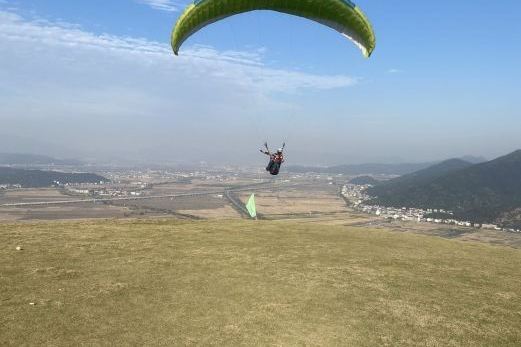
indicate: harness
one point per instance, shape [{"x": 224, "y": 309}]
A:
[{"x": 277, "y": 158}]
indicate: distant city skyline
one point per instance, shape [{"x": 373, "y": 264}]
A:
[{"x": 97, "y": 79}]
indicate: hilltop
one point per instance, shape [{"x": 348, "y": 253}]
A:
[
  {"x": 168, "y": 282},
  {"x": 39, "y": 178},
  {"x": 482, "y": 192}
]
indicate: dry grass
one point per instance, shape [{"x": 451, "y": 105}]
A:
[{"x": 235, "y": 283}]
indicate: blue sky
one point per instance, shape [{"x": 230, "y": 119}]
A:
[{"x": 95, "y": 79}]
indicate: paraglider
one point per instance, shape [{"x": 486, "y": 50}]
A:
[
  {"x": 341, "y": 15},
  {"x": 276, "y": 159}
]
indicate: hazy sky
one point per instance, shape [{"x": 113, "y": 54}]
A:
[{"x": 97, "y": 79}]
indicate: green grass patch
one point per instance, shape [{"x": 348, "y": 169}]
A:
[{"x": 252, "y": 283}]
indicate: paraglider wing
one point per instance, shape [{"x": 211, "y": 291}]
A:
[{"x": 340, "y": 15}]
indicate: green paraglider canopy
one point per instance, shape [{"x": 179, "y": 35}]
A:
[{"x": 340, "y": 15}]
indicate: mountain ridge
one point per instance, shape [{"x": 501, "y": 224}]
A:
[
  {"x": 480, "y": 192},
  {"x": 377, "y": 168}
]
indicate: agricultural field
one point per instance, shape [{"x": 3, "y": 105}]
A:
[
  {"x": 76, "y": 211},
  {"x": 53, "y": 212},
  {"x": 211, "y": 206},
  {"x": 235, "y": 282},
  {"x": 201, "y": 207},
  {"x": 33, "y": 195},
  {"x": 304, "y": 200}
]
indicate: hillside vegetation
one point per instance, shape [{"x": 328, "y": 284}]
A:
[
  {"x": 481, "y": 192},
  {"x": 252, "y": 283},
  {"x": 39, "y": 178},
  {"x": 393, "y": 192}
]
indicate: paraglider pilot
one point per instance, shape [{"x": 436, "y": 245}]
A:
[{"x": 276, "y": 159}]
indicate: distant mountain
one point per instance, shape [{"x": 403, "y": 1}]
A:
[
  {"x": 38, "y": 178},
  {"x": 378, "y": 169},
  {"x": 34, "y": 159},
  {"x": 481, "y": 192},
  {"x": 364, "y": 169},
  {"x": 364, "y": 180}
]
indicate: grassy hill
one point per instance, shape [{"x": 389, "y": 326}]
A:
[
  {"x": 235, "y": 283},
  {"x": 480, "y": 192},
  {"x": 39, "y": 178}
]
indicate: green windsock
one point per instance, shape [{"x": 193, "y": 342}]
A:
[{"x": 250, "y": 206}]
